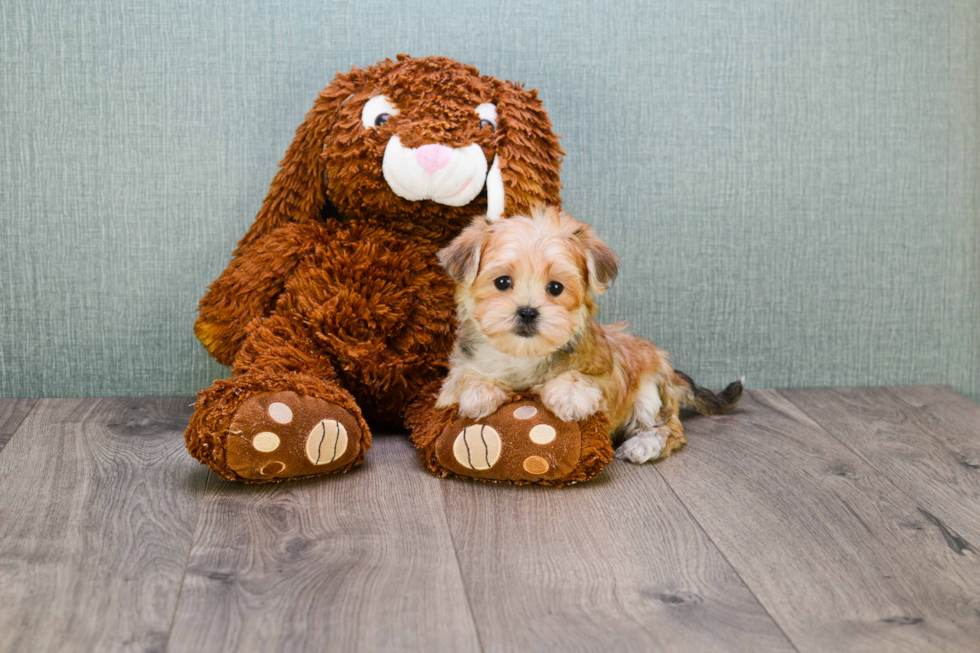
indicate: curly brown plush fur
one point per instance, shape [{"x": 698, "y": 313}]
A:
[{"x": 335, "y": 292}]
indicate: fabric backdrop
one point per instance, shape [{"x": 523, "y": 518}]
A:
[{"x": 793, "y": 186}]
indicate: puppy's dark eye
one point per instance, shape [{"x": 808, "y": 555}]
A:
[
  {"x": 381, "y": 119},
  {"x": 555, "y": 288},
  {"x": 486, "y": 123},
  {"x": 502, "y": 283}
]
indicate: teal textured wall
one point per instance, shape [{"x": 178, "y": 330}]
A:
[{"x": 793, "y": 186}]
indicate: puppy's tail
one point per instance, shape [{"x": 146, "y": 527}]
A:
[{"x": 705, "y": 401}]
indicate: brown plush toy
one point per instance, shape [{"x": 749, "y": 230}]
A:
[{"x": 334, "y": 312}]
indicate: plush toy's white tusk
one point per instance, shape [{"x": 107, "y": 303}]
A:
[{"x": 495, "y": 192}]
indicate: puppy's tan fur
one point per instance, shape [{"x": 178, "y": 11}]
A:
[{"x": 578, "y": 367}]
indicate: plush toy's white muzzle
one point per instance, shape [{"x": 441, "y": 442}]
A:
[{"x": 446, "y": 175}]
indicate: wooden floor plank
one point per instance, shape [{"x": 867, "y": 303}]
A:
[
  {"x": 840, "y": 557},
  {"x": 360, "y": 561},
  {"x": 852, "y": 519},
  {"x": 12, "y": 413},
  {"x": 950, "y": 417},
  {"x": 923, "y": 439},
  {"x": 98, "y": 504},
  {"x": 616, "y": 564}
]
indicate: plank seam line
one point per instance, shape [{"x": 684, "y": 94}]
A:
[
  {"x": 13, "y": 434},
  {"x": 459, "y": 567},
  {"x": 187, "y": 561},
  {"x": 727, "y": 561},
  {"x": 733, "y": 567},
  {"x": 872, "y": 466}
]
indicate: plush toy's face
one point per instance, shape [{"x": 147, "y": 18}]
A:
[
  {"x": 419, "y": 143},
  {"x": 434, "y": 146},
  {"x": 428, "y": 138}
]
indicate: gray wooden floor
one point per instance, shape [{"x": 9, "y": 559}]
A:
[{"x": 810, "y": 520}]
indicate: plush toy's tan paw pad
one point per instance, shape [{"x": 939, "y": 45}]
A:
[
  {"x": 283, "y": 435},
  {"x": 522, "y": 441},
  {"x": 326, "y": 442}
]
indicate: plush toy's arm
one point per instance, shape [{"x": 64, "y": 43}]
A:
[{"x": 249, "y": 287}]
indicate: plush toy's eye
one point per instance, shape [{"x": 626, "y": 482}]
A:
[
  {"x": 555, "y": 288},
  {"x": 488, "y": 115},
  {"x": 377, "y": 111},
  {"x": 502, "y": 283}
]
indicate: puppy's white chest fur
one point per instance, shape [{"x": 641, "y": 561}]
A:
[{"x": 518, "y": 373}]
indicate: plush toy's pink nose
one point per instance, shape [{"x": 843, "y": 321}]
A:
[{"x": 433, "y": 157}]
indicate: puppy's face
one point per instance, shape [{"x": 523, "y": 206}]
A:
[
  {"x": 529, "y": 295},
  {"x": 529, "y": 282}
]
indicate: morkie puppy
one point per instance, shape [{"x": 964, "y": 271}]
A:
[{"x": 526, "y": 289}]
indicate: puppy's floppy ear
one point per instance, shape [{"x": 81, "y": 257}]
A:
[
  {"x": 528, "y": 155},
  {"x": 601, "y": 261},
  {"x": 461, "y": 257},
  {"x": 298, "y": 191}
]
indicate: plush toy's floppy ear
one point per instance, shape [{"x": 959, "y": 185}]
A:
[
  {"x": 298, "y": 191},
  {"x": 601, "y": 261},
  {"x": 461, "y": 257},
  {"x": 528, "y": 159}
]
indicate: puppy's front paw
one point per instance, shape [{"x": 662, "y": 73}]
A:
[
  {"x": 572, "y": 397},
  {"x": 448, "y": 396},
  {"x": 643, "y": 447},
  {"x": 478, "y": 400}
]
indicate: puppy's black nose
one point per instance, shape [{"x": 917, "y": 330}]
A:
[{"x": 527, "y": 314}]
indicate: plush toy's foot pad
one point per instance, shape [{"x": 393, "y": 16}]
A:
[
  {"x": 276, "y": 435},
  {"x": 522, "y": 442}
]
